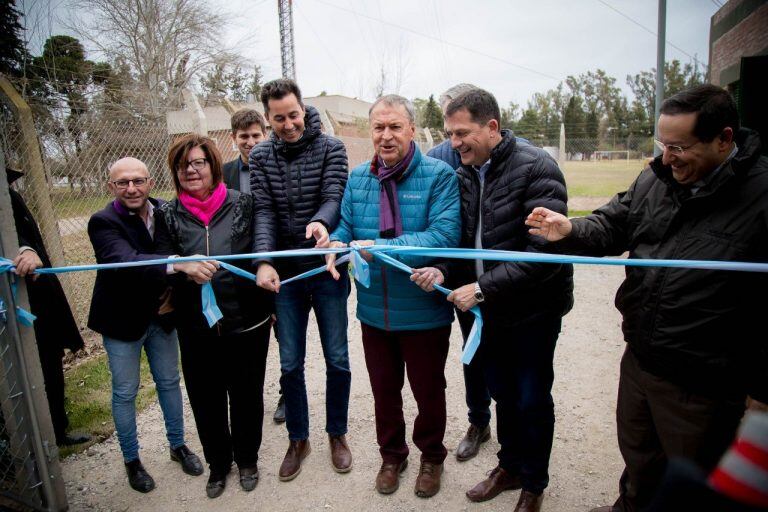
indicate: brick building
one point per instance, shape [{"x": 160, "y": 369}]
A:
[{"x": 738, "y": 59}]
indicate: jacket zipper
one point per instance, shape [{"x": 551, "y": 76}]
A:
[
  {"x": 208, "y": 253},
  {"x": 384, "y": 294}
]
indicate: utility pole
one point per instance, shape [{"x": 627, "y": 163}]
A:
[
  {"x": 287, "y": 56},
  {"x": 660, "y": 47}
]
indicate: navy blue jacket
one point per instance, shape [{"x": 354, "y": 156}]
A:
[{"x": 125, "y": 301}]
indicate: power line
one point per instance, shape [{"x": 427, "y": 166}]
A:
[
  {"x": 650, "y": 31},
  {"x": 433, "y": 38}
]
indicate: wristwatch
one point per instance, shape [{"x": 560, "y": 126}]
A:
[{"x": 479, "y": 297}]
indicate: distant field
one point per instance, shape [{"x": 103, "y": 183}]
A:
[{"x": 600, "y": 179}]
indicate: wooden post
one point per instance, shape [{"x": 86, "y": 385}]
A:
[
  {"x": 199, "y": 123},
  {"x": 34, "y": 174}
]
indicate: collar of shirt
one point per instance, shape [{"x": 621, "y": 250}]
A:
[
  {"x": 482, "y": 169},
  {"x": 709, "y": 177},
  {"x": 150, "y": 220}
]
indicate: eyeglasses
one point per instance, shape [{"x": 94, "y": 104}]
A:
[
  {"x": 124, "y": 184},
  {"x": 672, "y": 148},
  {"x": 197, "y": 164}
]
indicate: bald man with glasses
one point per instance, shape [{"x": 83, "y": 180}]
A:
[{"x": 129, "y": 309}]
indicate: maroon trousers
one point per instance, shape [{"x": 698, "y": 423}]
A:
[{"x": 388, "y": 355}]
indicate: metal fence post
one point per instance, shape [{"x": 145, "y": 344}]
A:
[{"x": 25, "y": 410}]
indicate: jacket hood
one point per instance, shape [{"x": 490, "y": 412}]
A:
[{"x": 312, "y": 128}]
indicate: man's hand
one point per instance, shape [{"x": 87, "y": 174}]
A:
[
  {"x": 464, "y": 297},
  {"x": 318, "y": 230},
  {"x": 330, "y": 260},
  {"x": 267, "y": 278},
  {"x": 427, "y": 278},
  {"x": 26, "y": 262},
  {"x": 365, "y": 254},
  {"x": 200, "y": 272},
  {"x": 754, "y": 405},
  {"x": 547, "y": 224}
]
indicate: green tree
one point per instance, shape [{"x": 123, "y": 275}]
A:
[
  {"x": 509, "y": 116},
  {"x": 677, "y": 77},
  {"x": 433, "y": 116},
  {"x": 574, "y": 120},
  {"x": 13, "y": 53},
  {"x": 529, "y": 126}
]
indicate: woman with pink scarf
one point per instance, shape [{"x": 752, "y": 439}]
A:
[{"x": 224, "y": 364}]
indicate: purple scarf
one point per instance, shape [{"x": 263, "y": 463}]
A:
[{"x": 390, "y": 221}]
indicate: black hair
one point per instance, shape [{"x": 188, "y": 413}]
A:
[
  {"x": 278, "y": 89},
  {"x": 713, "y": 105},
  {"x": 480, "y": 104}
]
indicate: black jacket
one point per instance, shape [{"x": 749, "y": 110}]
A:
[
  {"x": 55, "y": 327},
  {"x": 125, "y": 300},
  {"x": 230, "y": 231},
  {"x": 294, "y": 184},
  {"x": 703, "y": 329},
  {"x": 520, "y": 178},
  {"x": 231, "y": 174}
]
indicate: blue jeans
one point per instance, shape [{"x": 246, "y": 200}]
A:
[
  {"x": 329, "y": 300},
  {"x": 476, "y": 391},
  {"x": 518, "y": 371},
  {"x": 162, "y": 351}
]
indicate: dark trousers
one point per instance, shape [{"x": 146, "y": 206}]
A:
[
  {"x": 422, "y": 354},
  {"x": 53, "y": 377},
  {"x": 475, "y": 389},
  {"x": 221, "y": 370},
  {"x": 657, "y": 420},
  {"x": 518, "y": 371}
]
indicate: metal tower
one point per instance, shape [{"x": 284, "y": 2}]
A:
[{"x": 285, "y": 13}]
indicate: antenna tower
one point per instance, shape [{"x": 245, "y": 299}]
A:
[{"x": 287, "y": 56}]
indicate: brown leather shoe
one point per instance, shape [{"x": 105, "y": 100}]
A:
[
  {"x": 291, "y": 466},
  {"x": 529, "y": 502},
  {"x": 341, "y": 457},
  {"x": 470, "y": 445},
  {"x": 498, "y": 481},
  {"x": 388, "y": 479},
  {"x": 428, "y": 481}
]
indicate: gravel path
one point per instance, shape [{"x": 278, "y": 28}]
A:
[{"x": 584, "y": 469}]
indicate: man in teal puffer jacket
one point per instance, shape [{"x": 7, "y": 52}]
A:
[{"x": 402, "y": 197}]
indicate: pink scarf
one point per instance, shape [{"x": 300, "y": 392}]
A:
[{"x": 207, "y": 208}]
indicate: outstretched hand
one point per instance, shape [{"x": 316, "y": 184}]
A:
[
  {"x": 199, "y": 271},
  {"x": 268, "y": 278},
  {"x": 547, "y": 224},
  {"x": 319, "y": 231},
  {"x": 330, "y": 260},
  {"x": 427, "y": 277}
]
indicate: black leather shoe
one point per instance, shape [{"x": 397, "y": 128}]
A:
[
  {"x": 138, "y": 477},
  {"x": 470, "y": 445},
  {"x": 190, "y": 463},
  {"x": 73, "y": 438},
  {"x": 249, "y": 477},
  {"x": 279, "y": 416},
  {"x": 217, "y": 481}
]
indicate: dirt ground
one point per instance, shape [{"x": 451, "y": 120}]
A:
[{"x": 584, "y": 469}]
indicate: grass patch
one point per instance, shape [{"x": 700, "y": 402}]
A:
[
  {"x": 578, "y": 213},
  {"x": 88, "y": 390},
  {"x": 600, "y": 179},
  {"x": 84, "y": 203}
]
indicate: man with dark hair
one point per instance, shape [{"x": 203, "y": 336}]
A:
[
  {"x": 55, "y": 327},
  {"x": 297, "y": 180},
  {"x": 694, "y": 353},
  {"x": 248, "y": 129},
  {"x": 522, "y": 303}
]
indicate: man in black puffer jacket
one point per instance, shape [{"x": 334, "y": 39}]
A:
[
  {"x": 695, "y": 351},
  {"x": 522, "y": 303},
  {"x": 297, "y": 180}
]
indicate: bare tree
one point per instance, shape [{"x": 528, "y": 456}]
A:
[{"x": 166, "y": 44}]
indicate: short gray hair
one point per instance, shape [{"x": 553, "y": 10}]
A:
[
  {"x": 394, "y": 100},
  {"x": 453, "y": 92}
]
